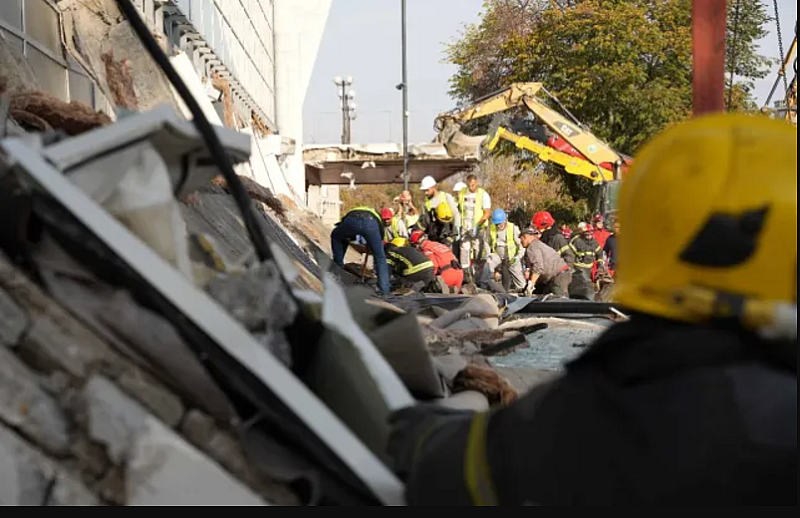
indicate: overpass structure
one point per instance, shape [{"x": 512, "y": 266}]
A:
[{"x": 382, "y": 163}]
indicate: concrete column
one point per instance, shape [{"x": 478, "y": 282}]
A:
[{"x": 299, "y": 26}]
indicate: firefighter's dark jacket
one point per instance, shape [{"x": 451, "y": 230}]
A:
[
  {"x": 407, "y": 261},
  {"x": 654, "y": 413},
  {"x": 586, "y": 252},
  {"x": 555, "y": 240}
]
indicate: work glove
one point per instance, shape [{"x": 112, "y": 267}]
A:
[
  {"x": 529, "y": 289},
  {"x": 411, "y": 427}
]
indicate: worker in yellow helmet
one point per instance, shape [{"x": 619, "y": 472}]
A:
[
  {"x": 691, "y": 401},
  {"x": 440, "y": 219}
]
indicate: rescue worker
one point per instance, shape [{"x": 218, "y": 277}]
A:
[
  {"x": 505, "y": 249},
  {"x": 440, "y": 218},
  {"x": 693, "y": 401},
  {"x": 367, "y": 223},
  {"x": 444, "y": 260},
  {"x": 410, "y": 267},
  {"x": 601, "y": 233},
  {"x": 566, "y": 232},
  {"x": 393, "y": 225},
  {"x": 407, "y": 212},
  {"x": 475, "y": 208},
  {"x": 610, "y": 249},
  {"x": 556, "y": 240},
  {"x": 546, "y": 272},
  {"x": 587, "y": 252}
]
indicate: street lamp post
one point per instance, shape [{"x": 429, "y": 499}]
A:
[
  {"x": 347, "y": 105},
  {"x": 405, "y": 95}
]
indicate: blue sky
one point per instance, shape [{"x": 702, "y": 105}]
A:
[{"x": 362, "y": 39}]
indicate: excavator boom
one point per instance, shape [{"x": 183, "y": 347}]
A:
[
  {"x": 570, "y": 163},
  {"x": 581, "y": 142}
]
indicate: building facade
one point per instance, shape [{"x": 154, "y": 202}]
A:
[{"x": 264, "y": 52}]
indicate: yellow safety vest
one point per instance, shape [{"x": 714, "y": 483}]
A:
[
  {"x": 367, "y": 209},
  {"x": 410, "y": 269},
  {"x": 511, "y": 244},
  {"x": 478, "y": 214},
  {"x": 394, "y": 231},
  {"x": 429, "y": 201}
]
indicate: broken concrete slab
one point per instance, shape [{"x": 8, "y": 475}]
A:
[
  {"x": 24, "y": 405},
  {"x": 114, "y": 419},
  {"x": 99, "y": 34},
  {"x": 163, "y": 469},
  {"x": 29, "y": 478},
  {"x": 13, "y": 320}
]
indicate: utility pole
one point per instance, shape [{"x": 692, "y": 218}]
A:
[
  {"x": 346, "y": 104},
  {"x": 709, "y": 27},
  {"x": 405, "y": 95}
]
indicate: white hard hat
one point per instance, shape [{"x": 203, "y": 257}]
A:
[
  {"x": 427, "y": 183},
  {"x": 460, "y": 186}
]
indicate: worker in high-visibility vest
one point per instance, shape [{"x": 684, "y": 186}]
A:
[
  {"x": 367, "y": 223},
  {"x": 394, "y": 226},
  {"x": 504, "y": 250},
  {"x": 475, "y": 208},
  {"x": 440, "y": 218},
  {"x": 692, "y": 400}
]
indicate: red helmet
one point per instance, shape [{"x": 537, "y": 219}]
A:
[
  {"x": 543, "y": 220},
  {"x": 387, "y": 214},
  {"x": 417, "y": 237},
  {"x": 599, "y": 218},
  {"x": 566, "y": 231}
]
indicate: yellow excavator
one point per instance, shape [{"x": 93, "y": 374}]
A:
[{"x": 554, "y": 138}]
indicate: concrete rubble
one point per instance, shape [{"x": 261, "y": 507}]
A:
[{"x": 104, "y": 401}]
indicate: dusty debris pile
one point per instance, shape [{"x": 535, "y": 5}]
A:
[{"x": 82, "y": 424}]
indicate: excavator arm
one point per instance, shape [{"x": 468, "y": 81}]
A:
[
  {"x": 571, "y": 164},
  {"x": 575, "y": 140}
]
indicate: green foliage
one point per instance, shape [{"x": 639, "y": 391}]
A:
[{"x": 623, "y": 67}]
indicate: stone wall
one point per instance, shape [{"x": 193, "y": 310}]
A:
[{"x": 82, "y": 425}]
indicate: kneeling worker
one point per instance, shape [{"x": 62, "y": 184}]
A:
[
  {"x": 693, "y": 401},
  {"x": 411, "y": 267},
  {"x": 548, "y": 273},
  {"x": 447, "y": 266},
  {"x": 367, "y": 223}
]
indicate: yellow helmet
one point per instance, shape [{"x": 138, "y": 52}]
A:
[
  {"x": 710, "y": 216},
  {"x": 400, "y": 241},
  {"x": 443, "y": 212}
]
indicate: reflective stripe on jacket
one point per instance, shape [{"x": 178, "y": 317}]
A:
[
  {"x": 586, "y": 252},
  {"x": 407, "y": 261}
]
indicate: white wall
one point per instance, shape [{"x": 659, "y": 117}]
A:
[
  {"x": 299, "y": 26},
  {"x": 241, "y": 33}
]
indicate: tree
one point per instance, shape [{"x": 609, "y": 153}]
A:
[
  {"x": 623, "y": 67},
  {"x": 747, "y": 20}
]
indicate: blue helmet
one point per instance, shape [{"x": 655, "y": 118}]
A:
[{"x": 499, "y": 216}]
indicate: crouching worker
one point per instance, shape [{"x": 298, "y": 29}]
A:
[
  {"x": 410, "y": 267},
  {"x": 367, "y": 223},
  {"x": 444, "y": 260},
  {"x": 693, "y": 401},
  {"x": 547, "y": 273},
  {"x": 505, "y": 252}
]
